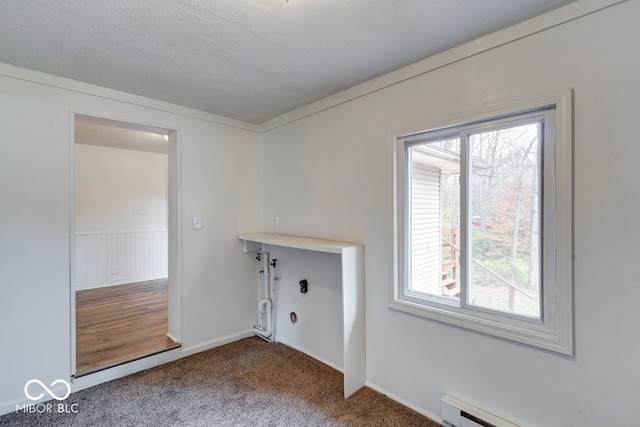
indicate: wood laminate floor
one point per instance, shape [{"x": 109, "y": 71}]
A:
[{"x": 120, "y": 323}]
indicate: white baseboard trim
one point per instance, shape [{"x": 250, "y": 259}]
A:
[
  {"x": 312, "y": 354},
  {"x": 171, "y": 337},
  {"x": 85, "y": 286},
  {"x": 403, "y": 402},
  {"x": 208, "y": 345},
  {"x": 125, "y": 369}
]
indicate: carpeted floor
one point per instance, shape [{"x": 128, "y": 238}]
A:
[{"x": 246, "y": 383}]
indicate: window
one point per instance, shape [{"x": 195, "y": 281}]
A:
[{"x": 483, "y": 222}]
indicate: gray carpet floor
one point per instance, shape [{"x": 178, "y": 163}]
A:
[{"x": 246, "y": 383}]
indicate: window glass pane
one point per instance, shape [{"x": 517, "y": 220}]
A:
[
  {"x": 434, "y": 209},
  {"x": 505, "y": 220}
]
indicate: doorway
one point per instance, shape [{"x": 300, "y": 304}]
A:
[{"x": 124, "y": 249}]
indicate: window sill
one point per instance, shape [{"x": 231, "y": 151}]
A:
[{"x": 530, "y": 334}]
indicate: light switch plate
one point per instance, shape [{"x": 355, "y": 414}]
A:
[{"x": 197, "y": 222}]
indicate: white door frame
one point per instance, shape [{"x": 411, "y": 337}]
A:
[{"x": 173, "y": 224}]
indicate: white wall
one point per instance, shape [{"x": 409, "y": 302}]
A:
[
  {"x": 319, "y": 328},
  {"x": 120, "y": 215},
  {"x": 219, "y": 163},
  {"x": 119, "y": 190},
  {"x": 328, "y": 174},
  {"x": 116, "y": 258}
]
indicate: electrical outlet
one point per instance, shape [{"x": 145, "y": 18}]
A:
[{"x": 274, "y": 222}]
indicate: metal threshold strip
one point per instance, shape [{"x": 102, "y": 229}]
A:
[{"x": 122, "y": 362}]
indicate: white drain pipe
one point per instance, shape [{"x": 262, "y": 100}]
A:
[
  {"x": 264, "y": 328},
  {"x": 264, "y": 308}
]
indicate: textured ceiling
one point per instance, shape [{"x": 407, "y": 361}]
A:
[{"x": 250, "y": 60}]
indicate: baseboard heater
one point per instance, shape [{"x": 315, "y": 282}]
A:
[{"x": 456, "y": 413}]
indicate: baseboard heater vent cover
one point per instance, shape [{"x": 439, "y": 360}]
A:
[{"x": 456, "y": 413}]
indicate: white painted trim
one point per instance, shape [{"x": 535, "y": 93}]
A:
[
  {"x": 208, "y": 345},
  {"x": 555, "y": 335},
  {"x": 86, "y": 233},
  {"x": 354, "y": 348},
  {"x": 298, "y": 242},
  {"x": 564, "y": 217},
  {"x": 126, "y": 281},
  {"x": 174, "y": 138},
  {"x": 403, "y": 402},
  {"x": 491, "y": 41},
  {"x": 135, "y": 256},
  {"x": 72, "y": 244},
  {"x": 125, "y": 369},
  {"x": 174, "y": 258},
  {"x": 58, "y": 82}
]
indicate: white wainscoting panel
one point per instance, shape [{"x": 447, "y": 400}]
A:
[{"x": 105, "y": 259}]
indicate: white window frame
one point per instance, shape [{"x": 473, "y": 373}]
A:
[{"x": 554, "y": 330}]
